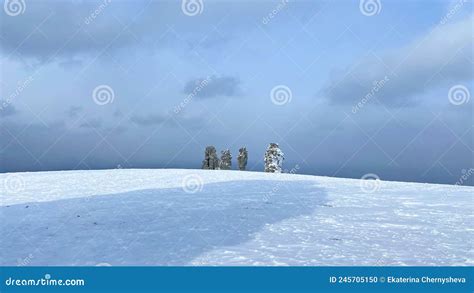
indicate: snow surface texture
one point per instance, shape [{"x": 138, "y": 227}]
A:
[{"x": 207, "y": 217}]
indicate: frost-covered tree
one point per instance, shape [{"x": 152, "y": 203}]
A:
[
  {"x": 242, "y": 158},
  {"x": 226, "y": 160},
  {"x": 211, "y": 161},
  {"x": 273, "y": 158}
]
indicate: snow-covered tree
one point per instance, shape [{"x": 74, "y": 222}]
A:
[
  {"x": 226, "y": 160},
  {"x": 242, "y": 158},
  {"x": 211, "y": 161},
  {"x": 273, "y": 158}
]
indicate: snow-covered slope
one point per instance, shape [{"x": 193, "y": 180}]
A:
[{"x": 205, "y": 217}]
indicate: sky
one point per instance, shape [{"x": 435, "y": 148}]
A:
[{"x": 346, "y": 88}]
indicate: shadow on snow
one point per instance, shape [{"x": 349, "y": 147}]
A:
[{"x": 151, "y": 226}]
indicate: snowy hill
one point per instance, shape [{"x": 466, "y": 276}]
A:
[{"x": 205, "y": 217}]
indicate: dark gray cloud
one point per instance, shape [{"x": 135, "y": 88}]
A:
[
  {"x": 57, "y": 146},
  {"x": 168, "y": 121},
  {"x": 92, "y": 123},
  {"x": 51, "y": 29},
  {"x": 118, "y": 113},
  {"x": 117, "y": 130},
  {"x": 71, "y": 63},
  {"x": 430, "y": 61},
  {"x": 148, "y": 120},
  {"x": 213, "y": 86},
  {"x": 74, "y": 111}
]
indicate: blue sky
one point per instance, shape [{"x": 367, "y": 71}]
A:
[{"x": 386, "y": 91}]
